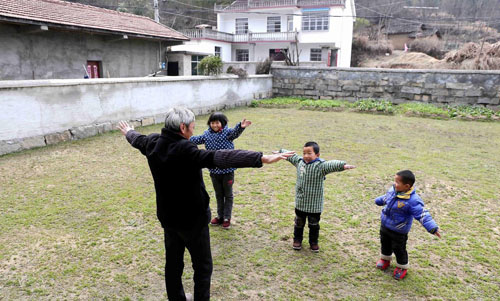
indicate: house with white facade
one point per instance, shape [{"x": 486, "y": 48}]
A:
[{"x": 252, "y": 30}]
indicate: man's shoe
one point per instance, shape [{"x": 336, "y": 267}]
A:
[
  {"x": 315, "y": 248},
  {"x": 216, "y": 221},
  {"x": 297, "y": 245},
  {"x": 226, "y": 224},
  {"x": 383, "y": 264},
  {"x": 399, "y": 273}
]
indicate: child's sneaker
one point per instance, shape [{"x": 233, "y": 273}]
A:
[
  {"x": 297, "y": 245},
  {"x": 226, "y": 224},
  {"x": 399, "y": 273},
  {"x": 315, "y": 248},
  {"x": 216, "y": 221},
  {"x": 383, "y": 264}
]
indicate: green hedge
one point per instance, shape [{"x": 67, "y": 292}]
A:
[{"x": 384, "y": 107}]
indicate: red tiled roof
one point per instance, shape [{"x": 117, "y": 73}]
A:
[{"x": 86, "y": 17}]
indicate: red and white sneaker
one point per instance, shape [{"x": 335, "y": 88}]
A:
[
  {"x": 216, "y": 221},
  {"x": 226, "y": 224},
  {"x": 399, "y": 273},
  {"x": 383, "y": 264}
]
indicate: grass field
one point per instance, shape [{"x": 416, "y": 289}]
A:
[{"x": 78, "y": 220}]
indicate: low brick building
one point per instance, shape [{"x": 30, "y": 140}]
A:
[{"x": 54, "y": 39}]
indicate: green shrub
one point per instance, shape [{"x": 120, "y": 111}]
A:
[
  {"x": 324, "y": 103},
  {"x": 278, "y": 101},
  {"x": 470, "y": 111},
  {"x": 423, "y": 109},
  {"x": 370, "y": 105},
  {"x": 210, "y": 65}
]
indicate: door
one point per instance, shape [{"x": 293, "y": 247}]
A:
[
  {"x": 173, "y": 69},
  {"x": 332, "y": 58},
  {"x": 93, "y": 69}
]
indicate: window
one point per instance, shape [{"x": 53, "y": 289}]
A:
[
  {"x": 242, "y": 55},
  {"x": 217, "y": 51},
  {"x": 273, "y": 24},
  {"x": 195, "y": 60},
  {"x": 289, "y": 21},
  {"x": 315, "y": 20},
  {"x": 242, "y": 26},
  {"x": 315, "y": 54},
  {"x": 277, "y": 54}
]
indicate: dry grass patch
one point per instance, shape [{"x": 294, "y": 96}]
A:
[{"x": 78, "y": 220}]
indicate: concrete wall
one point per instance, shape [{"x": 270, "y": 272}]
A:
[
  {"x": 42, "y": 112},
  {"x": 396, "y": 85},
  {"x": 62, "y": 55}
]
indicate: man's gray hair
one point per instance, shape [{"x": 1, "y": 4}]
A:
[{"x": 176, "y": 116}]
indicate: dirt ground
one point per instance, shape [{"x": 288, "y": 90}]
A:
[{"x": 405, "y": 60}]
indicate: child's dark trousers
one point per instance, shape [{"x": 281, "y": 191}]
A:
[
  {"x": 393, "y": 242},
  {"x": 223, "y": 186},
  {"x": 300, "y": 222}
]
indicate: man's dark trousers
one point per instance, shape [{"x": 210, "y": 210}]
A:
[{"x": 198, "y": 244}]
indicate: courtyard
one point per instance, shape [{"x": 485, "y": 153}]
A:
[{"x": 78, "y": 219}]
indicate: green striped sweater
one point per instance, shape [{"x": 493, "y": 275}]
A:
[{"x": 310, "y": 178}]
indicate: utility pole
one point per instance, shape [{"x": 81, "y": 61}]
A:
[{"x": 157, "y": 12}]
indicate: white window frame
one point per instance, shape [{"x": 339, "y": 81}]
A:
[
  {"x": 241, "y": 25},
  {"x": 289, "y": 23},
  {"x": 315, "y": 20},
  {"x": 242, "y": 55},
  {"x": 315, "y": 55},
  {"x": 274, "y": 24},
  {"x": 195, "y": 60},
  {"x": 218, "y": 53}
]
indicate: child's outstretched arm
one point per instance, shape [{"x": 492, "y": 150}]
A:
[
  {"x": 335, "y": 165},
  {"x": 421, "y": 214},
  {"x": 238, "y": 129},
  {"x": 380, "y": 201},
  {"x": 295, "y": 159},
  {"x": 198, "y": 139}
]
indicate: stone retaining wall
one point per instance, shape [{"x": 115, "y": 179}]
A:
[{"x": 396, "y": 85}]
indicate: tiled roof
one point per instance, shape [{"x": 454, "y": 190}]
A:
[{"x": 85, "y": 17}]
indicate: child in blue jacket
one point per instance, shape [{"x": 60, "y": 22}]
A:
[
  {"x": 220, "y": 136},
  {"x": 401, "y": 205}
]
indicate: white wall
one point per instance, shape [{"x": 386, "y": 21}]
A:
[
  {"x": 205, "y": 47},
  {"x": 256, "y": 22},
  {"x": 41, "y": 107}
]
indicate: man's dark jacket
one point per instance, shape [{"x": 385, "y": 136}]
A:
[{"x": 176, "y": 163}]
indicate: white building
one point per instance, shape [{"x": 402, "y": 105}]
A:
[{"x": 253, "y": 30}]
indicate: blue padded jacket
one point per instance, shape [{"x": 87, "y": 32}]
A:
[{"x": 398, "y": 213}]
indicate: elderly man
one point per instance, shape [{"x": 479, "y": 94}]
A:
[{"x": 182, "y": 203}]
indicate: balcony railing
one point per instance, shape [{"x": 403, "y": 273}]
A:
[
  {"x": 240, "y": 38},
  {"x": 208, "y": 34},
  {"x": 252, "y": 4}
]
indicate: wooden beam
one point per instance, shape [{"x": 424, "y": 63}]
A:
[
  {"x": 117, "y": 38},
  {"x": 32, "y": 29}
]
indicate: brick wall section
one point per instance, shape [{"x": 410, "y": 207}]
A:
[{"x": 396, "y": 85}]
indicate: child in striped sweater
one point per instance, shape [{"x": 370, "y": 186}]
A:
[{"x": 311, "y": 172}]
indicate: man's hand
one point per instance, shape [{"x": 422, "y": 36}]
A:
[
  {"x": 349, "y": 166},
  {"x": 268, "y": 159},
  {"x": 124, "y": 127},
  {"x": 245, "y": 123},
  {"x": 437, "y": 233}
]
